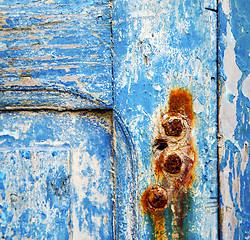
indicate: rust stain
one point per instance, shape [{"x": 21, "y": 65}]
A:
[
  {"x": 174, "y": 162},
  {"x": 154, "y": 200},
  {"x": 181, "y": 101}
]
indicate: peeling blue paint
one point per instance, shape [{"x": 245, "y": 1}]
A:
[
  {"x": 57, "y": 44},
  {"x": 238, "y": 19}
]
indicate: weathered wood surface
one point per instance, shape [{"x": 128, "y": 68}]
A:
[
  {"x": 56, "y": 44},
  {"x": 160, "y": 46},
  {"x": 57, "y": 169},
  {"x": 56, "y": 178},
  {"x": 234, "y": 39}
]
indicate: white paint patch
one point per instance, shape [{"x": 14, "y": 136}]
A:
[
  {"x": 228, "y": 119},
  {"x": 49, "y": 142},
  {"x": 83, "y": 165},
  {"x": 226, "y": 6},
  {"x": 14, "y": 134},
  {"x": 23, "y": 127},
  {"x": 198, "y": 107},
  {"x": 231, "y": 69},
  {"x": 157, "y": 87},
  {"x": 246, "y": 87},
  {"x": 233, "y": 74},
  {"x": 50, "y": 2}
]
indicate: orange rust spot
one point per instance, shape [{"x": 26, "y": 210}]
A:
[
  {"x": 174, "y": 170},
  {"x": 181, "y": 101},
  {"x": 159, "y": 225},
  {"x": 158, "y": 167}
]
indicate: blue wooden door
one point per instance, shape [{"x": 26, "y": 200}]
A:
[{"x": 115, "y": 120}]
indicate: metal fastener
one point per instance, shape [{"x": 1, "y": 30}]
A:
[
  {"x": 173, "y": 127},
  {"x": 172, "y": 164},
  {"x": 157, "y": 197}
]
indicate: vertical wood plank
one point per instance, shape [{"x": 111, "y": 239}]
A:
[
  {"x": 234, "y": 113},
  {"x": 160, "y": 46}
]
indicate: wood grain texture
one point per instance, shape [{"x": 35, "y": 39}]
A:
[
  {"x": 57, "y": 43},
  {"x": 234, "y": 116},
  {"x": 56, "y": 175},
  {"x": 160, "y": 46}
]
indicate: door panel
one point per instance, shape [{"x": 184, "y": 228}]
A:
[
  {"x": 60, "y": 176},
  {"x": 56, "y": 180}
]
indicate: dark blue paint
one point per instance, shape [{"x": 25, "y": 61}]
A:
[
  {"x": 25, "y": 154},
  {"x": 54, "y": 153}
]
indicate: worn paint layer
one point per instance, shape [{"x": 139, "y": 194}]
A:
[
  {"x": 234, "y": 115},
  {"x": 56, "y": 175},
  {"x": 58, "y": 43}
]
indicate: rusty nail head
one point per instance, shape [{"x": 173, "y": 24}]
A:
[
  {"x": 157, "y": 197},
  {"x": 173, "y": 127},
  {"x": 172, "y": 164}
]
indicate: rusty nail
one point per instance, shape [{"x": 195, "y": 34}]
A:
[
  {"x": 172, "y": 164},
  {"x": 173, "y": 127},
  {"x": 157, "y": 197}
]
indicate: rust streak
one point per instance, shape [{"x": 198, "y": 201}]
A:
[
  {"x": 174, "y": 160},
  {"x": 181, "y": 101},
  {"x": 154, "y": 200}
]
